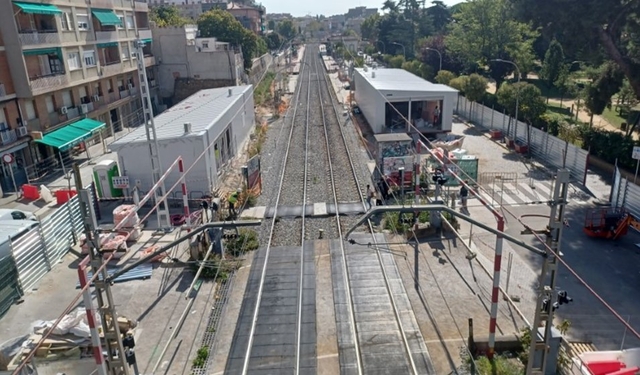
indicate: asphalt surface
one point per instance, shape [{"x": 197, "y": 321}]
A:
[{"x": 274, "y": 346}]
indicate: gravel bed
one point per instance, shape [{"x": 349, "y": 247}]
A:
[
  {"x": 317, "y": 166},
  {"x": 347, "y": 189},
  {"x": 287, "y": 232},
  {"x": 312, "y": 228}
]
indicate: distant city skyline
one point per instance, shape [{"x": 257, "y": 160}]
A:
[{"x": 327, "y": 8}]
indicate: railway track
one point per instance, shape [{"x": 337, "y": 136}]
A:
[{"x": 276, "y": 328}]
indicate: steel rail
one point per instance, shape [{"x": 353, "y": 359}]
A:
[
  {"x": 370, "y": 225},
  {"x": 245, "y": 367}
]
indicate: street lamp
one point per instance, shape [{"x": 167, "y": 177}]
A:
[
  {"x": 439, "y": 55},
  {"x": 404, "y": 52},
  {"x": 517, "y": 93}
]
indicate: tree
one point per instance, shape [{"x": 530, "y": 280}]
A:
[
  {"x": 223, "y": 26},
  {"x": 475, "y": 87},
  {"x": 271, "y": 25},
  {"x": 531, "y": 104},
  {"x": 605, "y": 82},
  {"x": 459, "y": 83},
  {"x": 553, "y": 63},
  {"x": 394, "y": 62},
  {"x": 484, "y": 30},
  {"x": 445, "y": 77},
  {"x": 274, "y": 41},
  {"x": 287, "y": 29},
  {"x": 564, "y": 83},
  {"x": 167, "y": 15},
  {"x": 592, "y": 30},
  {"x": 418, "y": 68},
  {"x": 440, "y": 16},
  {"x": 369, "y": 28},
  {"x": 431, "y": 58}
]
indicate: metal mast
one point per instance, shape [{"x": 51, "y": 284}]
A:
[
  {"x": 547, "y": 295},
  {"x": 152, "y": 139}
]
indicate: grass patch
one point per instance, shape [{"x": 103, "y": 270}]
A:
[
  {"x": 612, "y": 117},
  {"x": 247, "y": 240},
  {"x": 555, "y": 108},
  {"x": 258, "y": 138},
  {"x": 201, "y": 357},
  {"x": 548, "y": 92},
  {"x": 262, "y": 93}
]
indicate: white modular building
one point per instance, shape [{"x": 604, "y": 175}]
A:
[
  {"x": 222, "y": 118},
  {"x": 385, "y": 96}
]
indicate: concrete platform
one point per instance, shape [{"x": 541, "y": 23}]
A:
[{"x": 321, "y": 209}]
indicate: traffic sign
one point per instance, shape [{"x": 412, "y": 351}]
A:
[
  {"x": 636, "y": 153},
  {"x": 8, "y": 158}
]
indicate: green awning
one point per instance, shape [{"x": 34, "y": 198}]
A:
[
  {"x": 89, "y": 125},
  {"x": 32, "y": 8},
  {"x": 41, "y": 51},
  {"x": 106, "y": 17},
  {"x": 72, "y": 134},
  {"x": 148, "y": 40},
  {"x": 109, "y": 44}
]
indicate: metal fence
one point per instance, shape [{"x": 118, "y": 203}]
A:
[
  {"x": 38, "y": 250},
  {"x": 544, "y": 147},
  {"x": 625, "y": 194}
]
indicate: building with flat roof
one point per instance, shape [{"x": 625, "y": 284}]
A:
[
  {"x": 221, "y": 117},
  {"x": 62, "y": 61},
  {"x": 385, "y": 96}
]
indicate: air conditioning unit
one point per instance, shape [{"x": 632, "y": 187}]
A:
[
  {"x": 22, "y": 131},
  {"x": 95, "y": 98},
  {"x": 5, "y": 137},
  {"x": 84, "y": 109},
  {"x": 63, "y": 110}
]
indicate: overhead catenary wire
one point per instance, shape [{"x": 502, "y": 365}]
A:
[{"x": 505, "y": 209}]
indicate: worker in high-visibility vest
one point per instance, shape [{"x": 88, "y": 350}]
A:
[{"x": 233, "y": 199}]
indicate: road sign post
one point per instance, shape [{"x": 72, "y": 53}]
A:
[
  {"x": 8, "y": 159},
  {"x": 636, "y": 155}
]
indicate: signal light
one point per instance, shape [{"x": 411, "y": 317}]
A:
[{"x": 563, "y": 297}]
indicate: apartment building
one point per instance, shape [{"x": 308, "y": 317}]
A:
[
  {"x": 62, "y": 61},
  {"x": 251, "y": 17}
]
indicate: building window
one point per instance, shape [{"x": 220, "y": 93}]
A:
[
  {"x": 48, "y": 100},
  {"x": 125, "y": 51},
  {"x": 205, "y": 45},
  {"x": 74, "y": 61},
  {"x": 89, "y": 58},
  {"x": 66, "y": 99},
  {"x": 83, "y": 22},
  {"x": 121, "y": 25},
  {"x": 65, "y": 19},
  {"x": 30, "y": 109},
  {"x": 129, "y": 22}
]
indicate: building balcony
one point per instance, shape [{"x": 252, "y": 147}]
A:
[
  {"x": 111, "y": 68},
  {"x": 42, "y": 84},
  {"x": 38, "y": 37},
  {"x": 144, "y": 34},
  {"x": 109, "y": 4},
  {"x": 113, "y": 97},
  {"x": 141, "y": 5},
  {"x": 8, "y": 136},
  {"x": 149, "y": 61},
  {"x": 107, "y": 36}
]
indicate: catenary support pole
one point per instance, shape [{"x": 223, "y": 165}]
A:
[{"x": 91, "y": 318}]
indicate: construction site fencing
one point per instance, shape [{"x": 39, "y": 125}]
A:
[
  {"x": 544, "y": 147},
  {"x": 625, "y": 194},
  {"x": 36, "y": 251}
]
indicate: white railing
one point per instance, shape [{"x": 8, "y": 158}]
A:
[
  {"x": 44, "y": 84},
  {"x": 39, "y": 37},
  {"x": 107, "y": 36}
]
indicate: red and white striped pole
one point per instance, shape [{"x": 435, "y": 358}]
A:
[
  {"x": 495, "y": 293},
  {"x": 91, "y": 317},
  {"x": 185, "y": 197}
]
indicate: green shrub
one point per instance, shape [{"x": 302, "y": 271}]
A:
[
  {"x": 247, "y": 240},
  {"x": 609, "y": 146},
  {"x": 201, "y": 357}
]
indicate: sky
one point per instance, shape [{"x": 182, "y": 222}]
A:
[{"x": 299, "y": 8}]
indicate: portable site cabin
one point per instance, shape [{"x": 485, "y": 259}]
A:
[
  {"x": 385, "y": 96},
  {"x": 221, "y": 117}
]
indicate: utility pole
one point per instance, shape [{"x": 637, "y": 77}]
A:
[
  {"x": 116, "y": 364},
  {"x": 152, "y": 139},
  {"x": 547, "y": 296}
]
